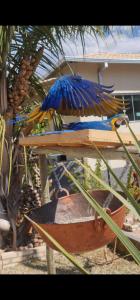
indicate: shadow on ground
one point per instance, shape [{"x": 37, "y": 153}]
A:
[{"x": 42, "y": 266}]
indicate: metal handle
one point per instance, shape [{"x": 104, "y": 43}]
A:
[
  {"x": 61, "y": 190},
  {"x": 100, "y": 223}
]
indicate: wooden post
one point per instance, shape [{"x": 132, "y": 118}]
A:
[{"x": 46, "y": 198}]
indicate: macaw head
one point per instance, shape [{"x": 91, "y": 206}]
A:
[{"x": 118, "y": 120}]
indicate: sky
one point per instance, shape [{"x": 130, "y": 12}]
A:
[{"x": 123, "y": 41}]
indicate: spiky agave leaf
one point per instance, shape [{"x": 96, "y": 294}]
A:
[
  {"x": 130, "y": 205},
  {"x": 120, "y": 183},
  {"x": 128, "y": 154}
]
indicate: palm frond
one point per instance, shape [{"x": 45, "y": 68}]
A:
[
  {"x": 6, "y": 33},
  {"x": 27, "y": 40}
]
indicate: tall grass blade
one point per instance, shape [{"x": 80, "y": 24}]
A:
[
  {"x": 137, "y": 143},
  {"x": 128, "y": 154},
  {"x": 10, "y": 166},
  {"x": 120, "y": 183},
  {"x": 109, "y": 188},
  {"x": 25, "y": 162}
]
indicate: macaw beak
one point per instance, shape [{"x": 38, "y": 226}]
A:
[{"x": 121, "y": 121}]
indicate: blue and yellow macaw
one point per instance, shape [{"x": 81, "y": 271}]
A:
[
  {"x": 109, "y": 124},
  {"x": 75, "y": 96}
]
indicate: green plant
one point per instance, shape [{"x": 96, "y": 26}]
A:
[
  {"x": 128, "y": 204},
  {"x": 98, "y": 172},
  {"x": 88, "y": 181},
  {"x": 129, "y": 175},
  {"x": 132, "y": 185},
  {"x": 131, "y": 201}
]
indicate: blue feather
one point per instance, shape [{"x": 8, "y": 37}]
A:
[
  {"x": 72, "y": 92},
  {"x": 81, "y": 103},
  {"x": 71, "y": 97},
  {"x": 16, "y": 120},
  {"x": 91, "y": 97},
  {"x": 97, "y": 125},
  {"x": 75, "y": 97}
]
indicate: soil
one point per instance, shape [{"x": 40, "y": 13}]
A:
[{"x": 94, "y": 262}]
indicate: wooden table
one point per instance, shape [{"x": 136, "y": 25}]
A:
[{"x": 81, "y": 143}]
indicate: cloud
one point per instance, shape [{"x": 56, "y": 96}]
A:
[{"x": 122, "y": 42}]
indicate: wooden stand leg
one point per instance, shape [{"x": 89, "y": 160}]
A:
[
  {"x": 46, "y": 198},
  {"x": 50, "y": 261}
]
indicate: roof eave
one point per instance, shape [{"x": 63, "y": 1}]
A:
[
  {"x": 70, "y": 59},
  {"x": 101, "y": 60}
]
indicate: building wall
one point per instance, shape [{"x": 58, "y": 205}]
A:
[
  {"x": 87, "y": 70},
  {"x": 122, "y": 76}
]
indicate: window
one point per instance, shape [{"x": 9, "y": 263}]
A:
[
  {"x": 137, "y": 106},
  {"x": 133, "y": 111},
  {"x": 130, "y": 110}
]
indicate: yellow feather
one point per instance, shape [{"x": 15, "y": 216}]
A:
[
  {"x": 34, "y": 112},
  {"x": 49, "y": 114},
  {"x": 109, "y": 110},
  {"x": 111, "y": 106},
  {"x": 36, "y": 117},
  {"x": 97, "y": 110},
  {"x": 42, "y": 116},
  {"x": 104, "y": 108}
]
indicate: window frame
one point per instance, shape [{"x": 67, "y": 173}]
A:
[{"x": 125, "y": 93}]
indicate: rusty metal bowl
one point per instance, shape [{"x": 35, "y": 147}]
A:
[{"x": 73, "y": 222}]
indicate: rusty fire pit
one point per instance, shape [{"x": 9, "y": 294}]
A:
[{"x": 72, "y": 222}]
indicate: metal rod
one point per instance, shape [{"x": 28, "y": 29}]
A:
[{"x": 109, "y": 179}]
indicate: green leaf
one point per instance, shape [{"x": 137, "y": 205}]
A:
[
  {"x": 120, "y": 183},
  {"x": 137, "y": 143},
  {"x": 25, "y": 163},
  {"x": 109, "y": 188},
  {"x": 27, "y": 39},
  {"x": 128, "y": 154},
  {"x": 10, "y": 166}
]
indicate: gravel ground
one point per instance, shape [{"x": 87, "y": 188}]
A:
[{"x": 94, "y": 262}]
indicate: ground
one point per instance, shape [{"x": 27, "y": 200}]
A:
[{"x": 94, "y": 262}]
